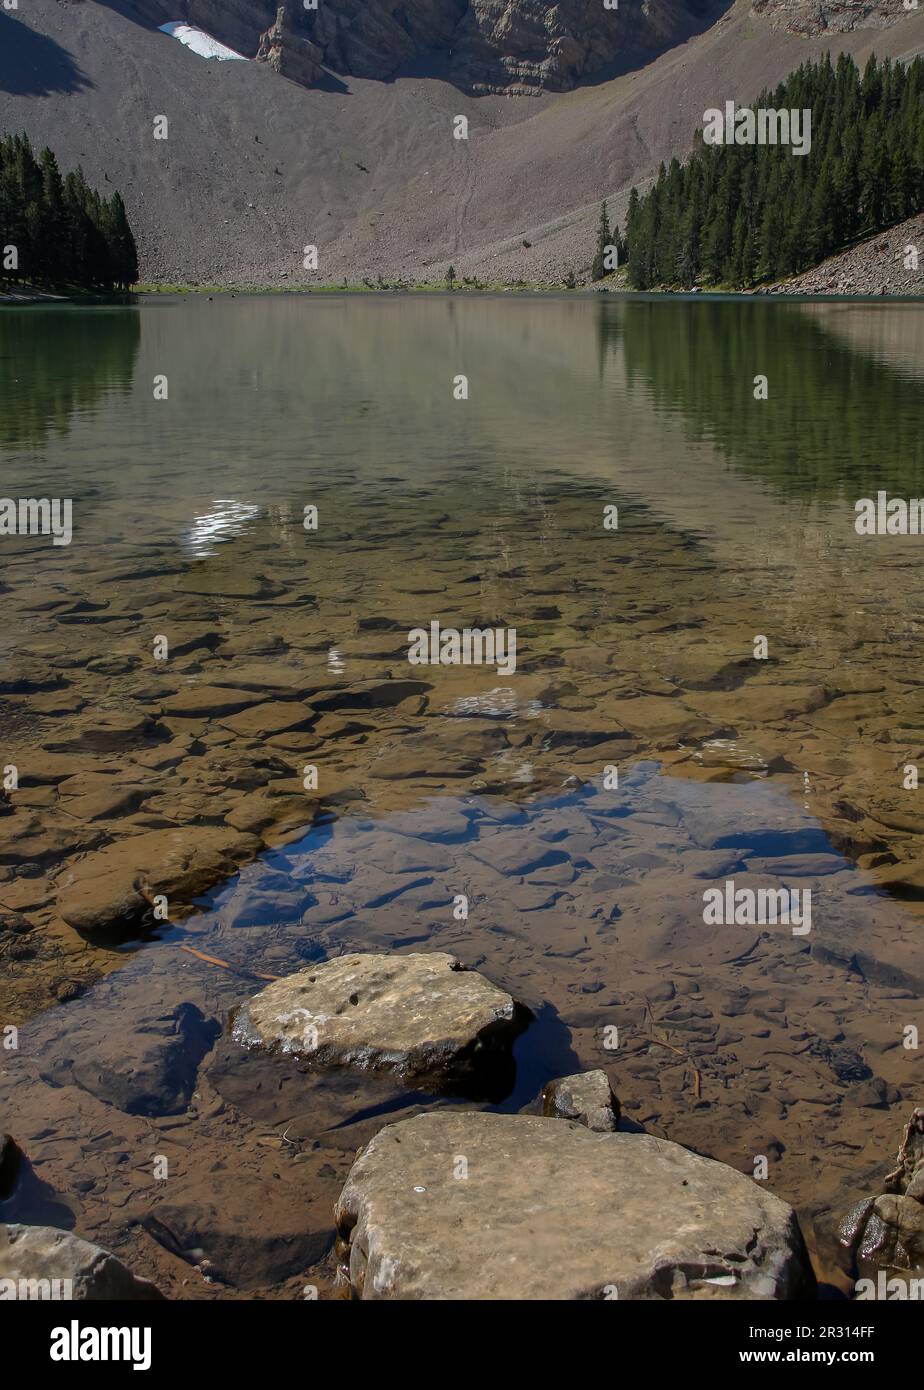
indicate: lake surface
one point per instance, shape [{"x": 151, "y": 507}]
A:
[{"x": 635, "y": 656}]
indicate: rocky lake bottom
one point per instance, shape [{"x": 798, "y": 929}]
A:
[{"x": 287, "y": 650}]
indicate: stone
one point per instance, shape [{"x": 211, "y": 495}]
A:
[
  {"x": 417, "y": 1016},
  {"x": 587, "y": 1098},
  {"x": 111, "y": 889},
  {"x": 372, "y": 694},
  {"x": 262, "y": 721},
  {"x": 43, "y": 1253},
  {"x": 147, "y": 1068},
  {"x": 729, "y": 752},
  {"x": 104, "y": 798},
  {"x": 887, "y": 1231},
  {"x": 196, "y": 701},
  {"x": 109, "y": 731},
  {"x": 551, "y": 1210},
  {"x": 260, "y": 810}
]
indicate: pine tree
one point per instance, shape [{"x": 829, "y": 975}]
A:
[
  {"x": 741, "y": 213},
  {"x": 604, "y": 240},
  {"x": 62, "y": 231}
]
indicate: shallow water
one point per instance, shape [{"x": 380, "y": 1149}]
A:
[{"x": 634, "y": 651}]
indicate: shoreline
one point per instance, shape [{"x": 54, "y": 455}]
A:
[{"x": 33, "y": 299}]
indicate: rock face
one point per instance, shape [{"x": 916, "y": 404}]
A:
[
  {"x": 829, "y": 16},
  {"x": 543, "y": 1209},
  {"x": 482, "y": 45},
  {"x": 43, "y": 1253},
  {"x": 586, "y": 1098},
  {"x": 494, "y": 45},
  {"x": 887, "y": 1232},
  {"x": 288, "y": 54},
  {"x": 422, "y": 1017}
]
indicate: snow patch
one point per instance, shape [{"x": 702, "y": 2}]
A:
[{"x": 199, "y": 41}]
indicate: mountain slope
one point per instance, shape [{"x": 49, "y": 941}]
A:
[{"x": 257, "y": 167}]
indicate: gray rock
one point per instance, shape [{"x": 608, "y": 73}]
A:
[
  {"x": 417, "y": 1015},
  {"x": 586, "y": 1098},
  {"x": 31, "y": 1253},
  {"x": 476, "y": 1205}
]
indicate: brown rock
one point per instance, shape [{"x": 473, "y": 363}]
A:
[{"x": 111, "y": 889}]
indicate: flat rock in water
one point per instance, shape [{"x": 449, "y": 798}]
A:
[
  {"x": 43, "y": 1252},
  {"x": 551, "y": 1210},
  {"x": 110, "y": 890},
  {"x": 416, "y": 1015}
]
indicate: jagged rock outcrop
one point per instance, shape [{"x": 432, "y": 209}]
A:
[
  {"x": 481, "y": 45},
  {"x": 289, "y": 54},
  {"x": 830, "y": 16}
]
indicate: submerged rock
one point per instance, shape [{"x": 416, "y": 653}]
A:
[
  {"x": 42, "y": 1253},
  {"x": 224, "y": 1223},
  {"x": 484, "y": 1206},
  {"x": 146, "y": 1067},
  {"x": 586, "y": 1098},
  {"x": 420, "y": 1016}
]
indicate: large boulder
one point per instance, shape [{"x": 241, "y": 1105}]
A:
[
  {"x": 421, "y": 1016},
  {"x": 42, "y": 1262},
  {"x": 475, "y": 1205}
]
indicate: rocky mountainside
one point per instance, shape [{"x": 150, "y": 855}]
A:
[
  {"x": 366, "y": 167},
  {"x": 890, "y": 262},
  {"x": 484, "y": 46}
]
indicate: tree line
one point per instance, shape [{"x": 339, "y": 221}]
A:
[
  {"x": 57, "y": 231},
  {"x": 739, "y": 214}
]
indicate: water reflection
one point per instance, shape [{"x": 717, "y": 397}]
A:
[
  {"x": 56, "y": 364},
  {"x": 223, "y": 521}
]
